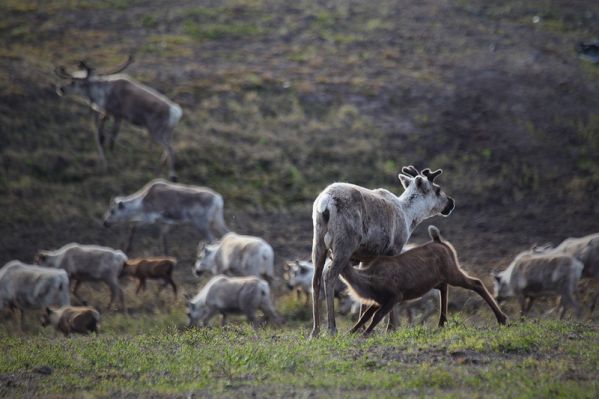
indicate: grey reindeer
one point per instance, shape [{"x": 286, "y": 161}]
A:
[
  {"x": 354, "y": 224},
  {"x": 122, "y": 98}
]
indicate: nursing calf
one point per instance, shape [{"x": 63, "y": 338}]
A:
[
  {"x": 532, "y": 275},
  {"x": 354, "y": 224},
  {"x": 72, "y": 319},
  {"x": 230, "y": 295},
  {"x": 153, "y": 268},
  {"x": 388, "y": 280}
]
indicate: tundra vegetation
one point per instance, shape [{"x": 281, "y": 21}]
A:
[{"x": 280, "y": 99}]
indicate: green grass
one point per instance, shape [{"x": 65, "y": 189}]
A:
[{"x": 526, "y": 359}]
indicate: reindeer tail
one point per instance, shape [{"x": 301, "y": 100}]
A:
[{"x": 434, "y": 233}]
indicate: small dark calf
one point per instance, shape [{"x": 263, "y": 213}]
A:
[
  {"x": 388, "y": 280},
  {"x": 155, "y": 268},
  {"x": 72, "y": 319}
]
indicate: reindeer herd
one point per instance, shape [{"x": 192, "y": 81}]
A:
[{"x": 359, "y": 244}]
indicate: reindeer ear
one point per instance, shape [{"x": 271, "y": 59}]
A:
[{"x": 405, "y": 180}]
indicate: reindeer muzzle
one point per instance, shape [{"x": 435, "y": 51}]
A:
[{"x": 449, "y": 207}]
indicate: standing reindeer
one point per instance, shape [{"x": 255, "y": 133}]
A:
[
  {"x": 120, "y": 97},
  {"x": 353, "y": 224}
]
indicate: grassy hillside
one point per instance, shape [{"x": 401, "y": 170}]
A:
[{"x": 280, "y": 99}]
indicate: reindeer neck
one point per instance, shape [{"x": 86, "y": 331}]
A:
[{"x": 414, "y": 212}]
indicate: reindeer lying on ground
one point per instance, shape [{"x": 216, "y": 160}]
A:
[
  {"x": 118, "y": 96},
  {"x": 388, "y": 280},
  {"x": 72, "y": 319},
  {"x": 153, "y": 268},
  {"x": 352, "y": 224}
]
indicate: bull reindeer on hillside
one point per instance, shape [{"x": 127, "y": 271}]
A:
[{"x": 118, "y": 96}]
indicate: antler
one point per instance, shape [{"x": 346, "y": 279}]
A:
[
  {"x": 62, "y": 73},
  {"x": 431, "y": 175},
  {"x": 410, "y": 171},
  {"x": 129, "y": 61}
]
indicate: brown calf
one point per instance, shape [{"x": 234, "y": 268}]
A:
[
  {"x": 72, "y": 319},
  {"x": 155, "y": 268},
  {"x": 388, "y": 280}
]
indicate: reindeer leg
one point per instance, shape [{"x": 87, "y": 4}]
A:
[
  {"x": 531, "y": 300},
  {"x": 594, "y": 301},
  {"x": 163, "y": 232},
  {"x": 130, "y": 238},
  {"x": 477, "y": 286},
  {"x": 443, "y": 313},
  {"x": 114, "y": 132},
  {"x": 330, "y": 279},
  {"x": 393, "y": 320},
  {"x": 172, "y": 283},
  {"x": 364, "y": 317},
  {"x": 379, "y": 314},
  {"x": 319, "y": 255},
  {"x": 22, "y": 319},
  {"x": 140, "y": 284},
  {"x": 101, "y": 120},
  {"x": 76, "y": 294}
]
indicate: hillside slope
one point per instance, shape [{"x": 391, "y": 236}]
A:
[{"x": 281, "y": 99}]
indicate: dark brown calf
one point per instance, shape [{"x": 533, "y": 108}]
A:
[
  {"x": 72, "y": 319},
  {"x": 388, "y": 280},
  {"x": 155, "y": 268}
]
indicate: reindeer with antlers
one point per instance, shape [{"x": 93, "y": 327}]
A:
[
  {"x": 354, "y": 224},
  {"x": 120, "y": 97}
]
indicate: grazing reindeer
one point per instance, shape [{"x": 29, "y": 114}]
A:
[
  {"x": 536, "y": 274},
  {"x": 586, "y": 250},
  {"x": 388, "y": 280},
  {"x": 118, "y": 96},
  {"x": 354, "y": 224}
]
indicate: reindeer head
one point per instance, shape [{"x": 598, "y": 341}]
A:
[
  {"x": 423, "y": 193},
  {"x": 502, "y": 288},
  {"x": 196, "y": 313},
  {"x": 205, "y": 260},
  {"x": 82, "y": 81},
  {"x": 117, "y": 212},
  {"x": 298, "y": 274},
  {"x": 46, "y": 316}
]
